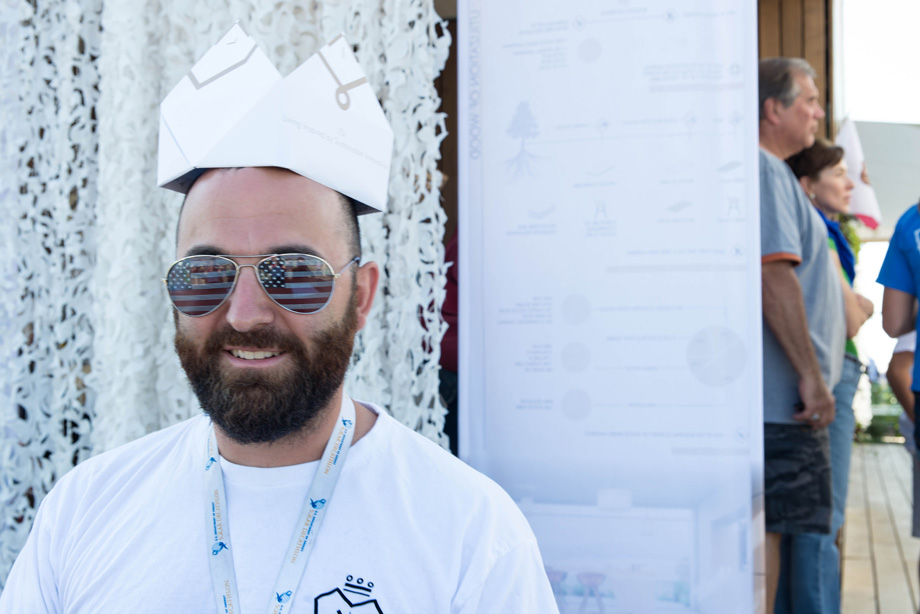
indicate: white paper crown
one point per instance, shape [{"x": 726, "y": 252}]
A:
[{"x": 322, "y": 121}]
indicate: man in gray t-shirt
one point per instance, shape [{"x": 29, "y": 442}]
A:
[
  {"x": 793, "y": 236},
  {"x": 804, "y": 328}
]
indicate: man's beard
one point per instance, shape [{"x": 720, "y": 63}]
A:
[{"x": 255, "y": 406}]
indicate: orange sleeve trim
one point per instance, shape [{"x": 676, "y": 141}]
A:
[{"x": 779, "y": 256}]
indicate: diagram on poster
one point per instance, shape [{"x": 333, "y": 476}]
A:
[{"x": 610, "y": 350}]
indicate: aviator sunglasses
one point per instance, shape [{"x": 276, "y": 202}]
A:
[{"x": 299, "y": 283}]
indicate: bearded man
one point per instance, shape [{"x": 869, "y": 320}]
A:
[{"x": 288, "y": 494}]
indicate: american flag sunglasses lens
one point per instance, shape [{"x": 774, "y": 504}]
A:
[
  {"x": 298, "y": 282},
  {"x": 197, "y": 286}
]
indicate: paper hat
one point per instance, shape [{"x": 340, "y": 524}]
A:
[{"x": 322, "y": 121}]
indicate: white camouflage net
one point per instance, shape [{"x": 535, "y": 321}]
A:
[
  {"x": 48, "y": 183},
  {"x": 85, "y": 236}
]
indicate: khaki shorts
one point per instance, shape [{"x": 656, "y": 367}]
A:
[{"x": 797, "y": 479}]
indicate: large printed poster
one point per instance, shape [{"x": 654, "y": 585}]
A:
[{"x": 610, "y": 292}]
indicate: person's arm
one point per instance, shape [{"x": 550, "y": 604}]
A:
[
  {"x": 899, "y": 312},
  {"x": 784, "y": 313},
  {"x": 857, "y": 308},
  {"x": 899, "y": 378}
]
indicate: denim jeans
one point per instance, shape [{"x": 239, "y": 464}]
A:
[{"x": 809, "y": 579}]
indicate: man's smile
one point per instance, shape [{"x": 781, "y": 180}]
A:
[{"x": 254, "y": 357}]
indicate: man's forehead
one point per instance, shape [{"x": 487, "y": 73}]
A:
[
  {"x": 268, "y": 203},
  {"x": 260, "y": 191},
  {"x": 253, "y": 181}
]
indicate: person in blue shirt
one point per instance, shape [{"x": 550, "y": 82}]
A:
[{"x": 900, "y": 275}]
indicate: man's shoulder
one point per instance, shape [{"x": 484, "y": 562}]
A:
[
  {"x": 769, "y": 162},
  {"x": 416, "y": 447},
  {"x": 115, "y": 467},
  {"x": 151, "y": 443},
  {"x": 775, "y": 173},
  {"x": 779, "y": 186},
  {"x": 909, "y": 220},
  {"x": 412, "y": 477},
  {"x": 431, "y": 469}
]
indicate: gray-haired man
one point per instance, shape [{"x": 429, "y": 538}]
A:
[{"x": 804, "y": 329}]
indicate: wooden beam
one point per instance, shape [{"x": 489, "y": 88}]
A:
[
  {"x": 447, "y": 9},
  {"x": 793, "y": 38},
  {"x": 815, "y": 48},
  {"x": 831, "y": 81},
  {"x": 769, "y": 30}
]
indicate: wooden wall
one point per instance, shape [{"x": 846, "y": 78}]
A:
[{"x": 802, "y": 29}]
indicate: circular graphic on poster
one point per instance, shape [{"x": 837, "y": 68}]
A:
[
  {"x": 716, "y": 356},
  {"x": 576, "y": 357},
  {"x": 576, "y": 404}
]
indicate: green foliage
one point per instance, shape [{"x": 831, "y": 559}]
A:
[
  {"x": 882, "y": 394},
  {"x": 880, "y": 430},
  {"x": 886, "y": 411},
  {"x": 849, "y": 231}
]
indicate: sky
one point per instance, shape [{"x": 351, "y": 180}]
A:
[{"x": 881, "y": 56}]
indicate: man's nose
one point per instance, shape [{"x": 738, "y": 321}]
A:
[{"x": 249, "y": 307}]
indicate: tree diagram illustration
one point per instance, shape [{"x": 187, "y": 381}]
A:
[{"x": 523, "y": 127}]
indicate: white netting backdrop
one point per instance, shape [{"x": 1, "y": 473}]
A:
[
  {"x": 48, "y": 180},
  {"x": 85, "y": 236}
]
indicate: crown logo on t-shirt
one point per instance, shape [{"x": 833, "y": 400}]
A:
[
  {"x": 353, "y": 596},
  {"x": 358, "y": 586}
]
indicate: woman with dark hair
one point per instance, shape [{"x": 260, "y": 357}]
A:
[{"x": 813, "y": 572}]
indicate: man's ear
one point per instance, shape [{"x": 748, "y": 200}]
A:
[
  {"x": 365, "y": 290},
  {"x": 772, "y": 111}
]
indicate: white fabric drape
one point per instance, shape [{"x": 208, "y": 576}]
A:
[
  {"x": 48, "y": 180},
  {"x": 86, "y": 347}
]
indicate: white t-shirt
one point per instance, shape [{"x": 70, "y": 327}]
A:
[
  {"x": 906, "y": 343},
  {"x": 409, "y": 529}
]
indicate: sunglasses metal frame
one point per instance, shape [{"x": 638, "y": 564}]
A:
[{"x": 255, "y": 267}]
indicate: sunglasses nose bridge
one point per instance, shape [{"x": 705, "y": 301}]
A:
[
  {"x": 239, "y": 274},
  {"x": 254, "y": 267},
  {"x": 249, "y": 302}
]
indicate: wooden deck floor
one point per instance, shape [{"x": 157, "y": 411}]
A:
[{"x": 879, "y": 554}]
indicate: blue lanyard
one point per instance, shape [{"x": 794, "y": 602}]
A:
[{"x": 220, "y": 550}]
